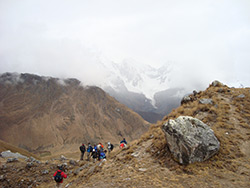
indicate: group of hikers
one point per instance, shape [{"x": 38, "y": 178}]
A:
[{"x": 96, "y": 152}]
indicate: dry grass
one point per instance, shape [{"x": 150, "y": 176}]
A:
[
  {"x": 6, "y": 146},
  {"x": 147, "y": 162}
]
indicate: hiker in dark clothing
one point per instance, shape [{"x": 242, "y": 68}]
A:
[
  {"x": 99, "y": 154},
  {"x": 82, "y": 149},
  {"x": 58, "y": 176},
  {"x": 89, "y": 150},
  {"x": 94, "y": 155},
  {"x": 110, "y": 147}
]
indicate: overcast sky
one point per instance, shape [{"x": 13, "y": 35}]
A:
[{"x": 204, "y": 39}]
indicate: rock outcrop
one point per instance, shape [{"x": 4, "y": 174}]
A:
[{"x": 190, "y": 140}]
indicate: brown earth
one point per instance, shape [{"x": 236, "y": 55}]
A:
[
  {"x": 146, "y": 162},
  {"x": 48, "y": 115}
]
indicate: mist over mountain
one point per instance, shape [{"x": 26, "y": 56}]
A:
[
  {"x": 144, "y": 89},
  {"x": 45, "y": 113}
]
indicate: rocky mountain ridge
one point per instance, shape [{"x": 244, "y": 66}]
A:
[{"x": 44, "y": 113}]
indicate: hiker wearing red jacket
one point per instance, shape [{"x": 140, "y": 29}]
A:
[{"x": 58, "y": 176}]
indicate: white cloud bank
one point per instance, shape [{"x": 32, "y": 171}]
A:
[{"x": 202, "y": 40}]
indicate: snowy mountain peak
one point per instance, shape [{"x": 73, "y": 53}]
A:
[{"x": 136, "y": 77}]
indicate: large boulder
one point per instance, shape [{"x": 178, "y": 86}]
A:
[{"x": 190, "y": 140}]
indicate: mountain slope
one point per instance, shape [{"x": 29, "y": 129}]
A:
[
  {"x": 147, "y": 163},
  {"x": 6, "y": 146},
  {"x": 40, "y": 113}
]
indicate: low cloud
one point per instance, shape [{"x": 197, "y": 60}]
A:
[{"x": 202, "y": 40}]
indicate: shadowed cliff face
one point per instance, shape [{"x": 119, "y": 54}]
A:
[{"x": 39, "y": 113}]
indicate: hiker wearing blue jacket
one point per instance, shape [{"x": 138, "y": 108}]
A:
[
  {"x": 89, "y": 150},
  {"x": 124, "y": 141},
  {"x": 102, "y": 155}
]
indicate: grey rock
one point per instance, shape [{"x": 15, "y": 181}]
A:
[
  {"x": 4, "y": 166},
  {"x": 10, "y": 160},
  {"x": 195, "y": 92},
  {"x": 31, "y": 159},
  {"x": 64, "y": 166},
  {"x": 221, "y": 90},
  {"x": 68, "y": 185},
  {"x": 77, "y": 171},
  {"x": 186, "y": 99},
  {"x": 241, "y": 96},
  {"x": 2, "y": 178},
  {"x": 45, "y": 172},
  {"x": 73, "y": 162},
  {"x": 142, "y": 169},
  {"x": 63, "y": 158},
  {"x": 30, "y": 164},
  {"x": 9, "y": 154},
  {"x": 206, "y": 101},
  {"x": 216, "y": 83},
  {"x": 135, "y": 154},
  {"x": 190, "y": 140}
]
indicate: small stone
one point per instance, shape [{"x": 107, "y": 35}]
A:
[
  {"x": 72, "y": 162},
  {"x": 216, "y": 83},
  {"x": 2, "y": 178},
  {"x": 77, "y": 171},
  {"x": 45, "y": 172},
  {"x": 142, "y": 169},
  {"x": 241, "y": 96},
  {"x": 135, "y": 154},
  {"x": 29, "y": 165},
  {"x": 68, "y": 185},
  {"x": 63, "y": 158},
  {"x": 206, "y": 101},
  {"x": 10, "y": 160}
]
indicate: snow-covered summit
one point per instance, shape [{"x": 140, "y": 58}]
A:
[{"x": 140, "y": 78}]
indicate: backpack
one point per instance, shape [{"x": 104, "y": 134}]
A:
[
  {"x": 102, "y": 155},
  {"x": 58, "y": 177},
  {"x": 89, "y": 149},
  {"x": 111, "y": 147}
]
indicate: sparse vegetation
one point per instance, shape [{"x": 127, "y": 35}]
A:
[{"x": 147, "y": 162}]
